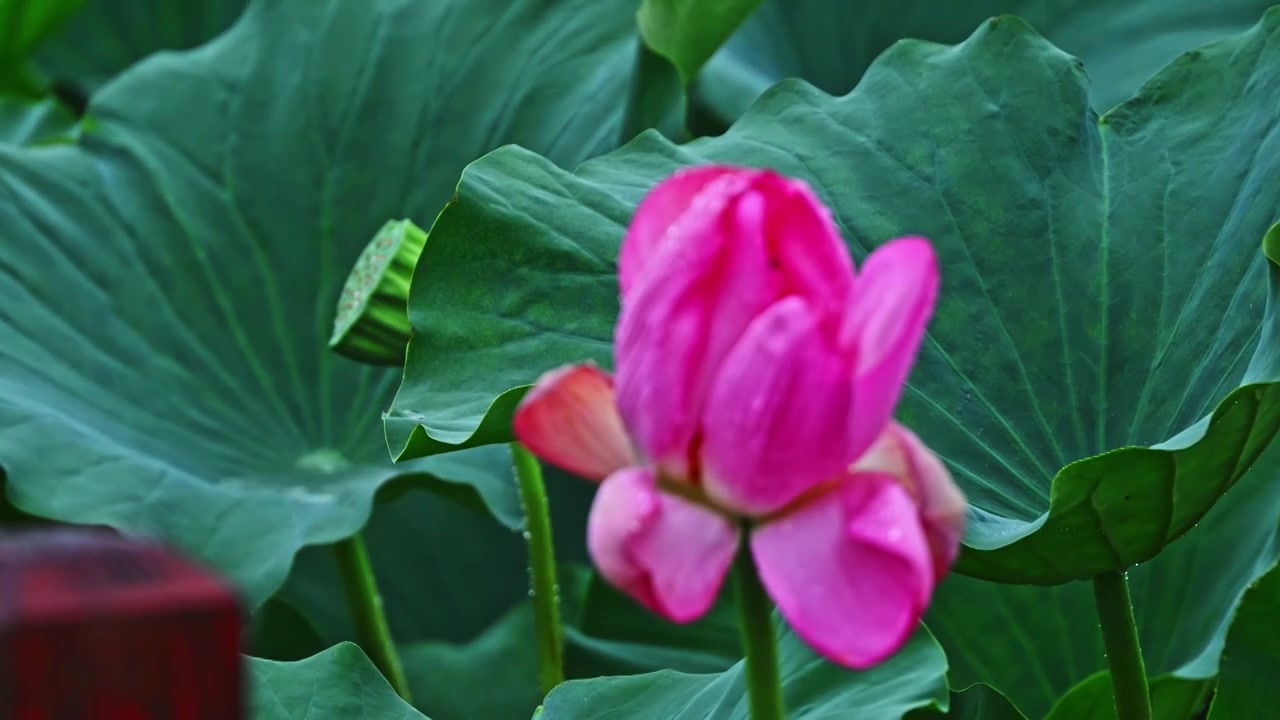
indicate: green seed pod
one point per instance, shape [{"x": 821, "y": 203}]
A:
[{"x": 372, "y": 324}]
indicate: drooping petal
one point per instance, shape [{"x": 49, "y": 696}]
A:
[
  {"x": 892, "y": 303},
  {"x": 653, "y": 222},
  {"x": 780, "y": 414},
  {"x": 850, "y": 570},
  {"x": 670, "y": 554},
  {"x": 900, "y": 453},
  {"x": 750, "y": 238},
  {"x": 570, "y": 419}
]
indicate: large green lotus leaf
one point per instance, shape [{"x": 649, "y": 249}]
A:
[
  {"x": 32, "y": 122},
  {"x": 616, "y": 636},
  {"x": 688, "y": 32},
  {"x": 433, "y": 592},
  {"x": 1040, "y": 645},
  {"x": 1171, "y": 699},
  {"x": 1251, "y": 658},
  {"x": 26, "y": 115},
  {"x": 913, "y": 678},
  {"x": 606, "y": 633},
  {"x": 1103, "y": 289},
  {"x": 1036, "y": 644},
  {"x": 679, "y": 36},
  {"x": 976, "y": 702},
  {"x": 588, "y": 656},
  {"x": 455, "y": 589},
  {"x": 107, "y": 36},
  {"x": 23, "y": 25},
  {"x": 830, "y": 43},
  {"x": 283, "y": 632},
  {"x": 445, "y": 573},
  {"x": 337, "y": 684},
  {"x": 495, "y": 675},
  {"x": 610, "y": 614},
  {"x": 167, "y": 284}
]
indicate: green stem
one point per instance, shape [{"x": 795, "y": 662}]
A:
[
  {"x": 759, "y": 643},
  {"x": 1120, "y": 638},
  {"x": 372, "y": 631},
  {"x": 542, "y": 568}
]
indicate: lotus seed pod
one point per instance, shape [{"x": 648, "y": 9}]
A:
[{"x": 372, "y": 323}]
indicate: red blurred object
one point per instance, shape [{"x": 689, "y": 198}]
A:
[{"x": 96, "y": 626}]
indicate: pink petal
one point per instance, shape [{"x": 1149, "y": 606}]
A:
[
  {"x": 670, "y": 554},
  {"x": 676, "y": 326},
  {"x": 891, "y": 307},
  {"x": 569, "y": 418},
  {"x": 850, "y": 570},
  {"x": 805, "y": 246},
  {"x": 750, "y": 238},
  {"x": 898, "y": 452},
  {"x": 658, "y": 212},
  {"x": 780, "y": 415}
]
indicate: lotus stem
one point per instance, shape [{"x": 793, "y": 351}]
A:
[
  {"x": 759, "y": 641},
  {"x": 1120, "y": 638},
  {"x": 373, "y": 633},
  {"x": 542, "y": 568}
]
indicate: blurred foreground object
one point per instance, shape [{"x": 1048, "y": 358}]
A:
[{"x": 95, "y": 626}]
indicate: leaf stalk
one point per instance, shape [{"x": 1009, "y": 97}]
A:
[
  {"x": 759, "y": 641},
  {"x": 544, "y": 589},
  {"x": 373, "y": 633},
  {"x": 1124, "y": 653}
]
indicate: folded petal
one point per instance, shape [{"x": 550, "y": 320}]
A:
[
  {"x": 804, "y": 236},
  {"x": 749, "y": 238},
  {"x": 779, "y": 417},
  {"x": 899, "y": 453},
  {"x": 892, "y": 303},
  {"x": 670, "y": 554},
  {"x": 570, "y": 419},
  {"x": 657, "y": 214},
  {"x": 678, "y": 323},
  {"x": 805, "y": 246},
  {"x": 850, "y": 570}
]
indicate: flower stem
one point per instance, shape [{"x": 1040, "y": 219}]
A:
[
  {"x": 759, "y": 643},
  {"x": 542, "y": 568},
  {"x": 372, "y": 631},
  {"x": 1120, "y": 638}
]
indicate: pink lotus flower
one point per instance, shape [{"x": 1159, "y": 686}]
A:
[{"x": 756, "y": 380}]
